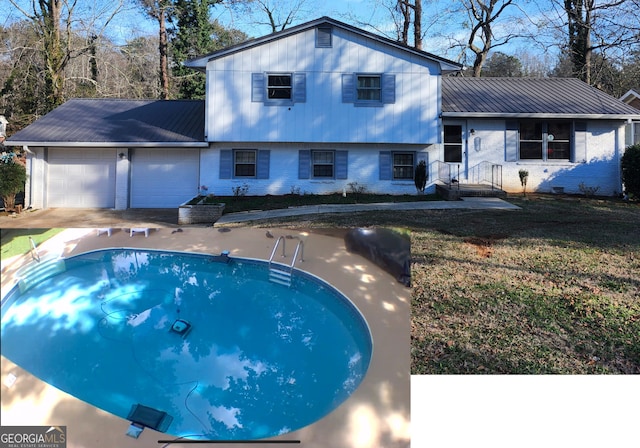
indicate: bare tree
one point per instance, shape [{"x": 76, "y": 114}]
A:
[
  {"x": 411, "y": 12},
  {"x": 160, "y": 10},
  {"x": 605, "y": 27},
  {"x": 275, "y": 14},
  {"x": 483, "y": 15},
  {"x": 54, "y": 22}
]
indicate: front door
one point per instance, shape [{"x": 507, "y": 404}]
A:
[{"x": 454, "y": 151}]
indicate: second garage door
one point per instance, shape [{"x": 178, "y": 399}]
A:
[{"x": 163, "y": 178}]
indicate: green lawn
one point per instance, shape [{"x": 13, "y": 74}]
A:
[{"x": 16, "y": 241}]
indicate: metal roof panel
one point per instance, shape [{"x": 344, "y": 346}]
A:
[{"x": 109, "y": 121}]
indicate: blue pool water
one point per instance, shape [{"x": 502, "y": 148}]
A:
[{"x": 260, "y": 359}]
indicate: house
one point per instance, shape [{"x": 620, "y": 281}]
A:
[
  {"x": 632, "y": 98},
  {"x": 319, "y": 108},
  {"x": 567, "y": 135}
]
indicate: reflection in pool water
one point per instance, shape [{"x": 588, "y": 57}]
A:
[{"x": 259, "y": 359}]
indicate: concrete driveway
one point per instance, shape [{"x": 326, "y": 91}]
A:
[{"x": 91, "y": 217}]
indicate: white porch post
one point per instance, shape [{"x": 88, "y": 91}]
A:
[{"x": 123, "y": 167}]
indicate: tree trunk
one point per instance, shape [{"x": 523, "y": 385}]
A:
[
  {"x": 54, "y": 54},
  {"x": 164, "y": 59},
  {"x": 417, "y": 25}
]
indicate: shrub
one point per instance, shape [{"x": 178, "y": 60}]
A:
[
  {"x": 13, "y": 175},
  {"x": 524, "y": 176},
  {"x": 631, "y": 170},
  {"x": 421, "y": 176}
]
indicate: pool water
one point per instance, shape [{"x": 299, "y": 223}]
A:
[{"x": 257, "y": 359}]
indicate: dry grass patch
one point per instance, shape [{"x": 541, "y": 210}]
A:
[{"x": 551, "y": 288}]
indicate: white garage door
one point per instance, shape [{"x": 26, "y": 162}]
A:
[
  {"x": 163, "y": 178},
  {"x": 80, "y": 178}
]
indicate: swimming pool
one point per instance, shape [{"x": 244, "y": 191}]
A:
[{"x": 223, "y": 351}]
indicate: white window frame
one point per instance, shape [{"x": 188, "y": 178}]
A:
[
  {"x": 281, "y": 88},
  {"x": 314, "y": 163},
  {"x": 236, "y": 163},
  {"x": 395, "y": 165},
  {"x": 368, "y": 89}
]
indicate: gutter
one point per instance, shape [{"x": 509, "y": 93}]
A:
[
  {"x": 108, "y": 144},
  {"x": 625, "y": 117}
]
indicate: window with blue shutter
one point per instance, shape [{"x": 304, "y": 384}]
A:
[
  {"x": 388, "y": 89},
  {"x": 404, "y": 165},
  {"x": 304, "y": 164},
  {"x": 264, "y": 158},
  {"x": 244, "y": 162},
  {"x": 258, "y": 90},
  {"x": 368, "y": 89},
  {"x": 299, "y": 87},
  {"x": 385, "y": 162},
  {"x": 348, "y": 88},
  {"x": 342, "y": 162},
  {"x": 226, "y": 164},
  {"x": 279, "y": 89},
  {"x": 322, "y": 164}
]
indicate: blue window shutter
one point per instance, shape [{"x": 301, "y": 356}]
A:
[
  {"x": 226, "y": 164},
  {"x": 262, "y": 170},
  {"x": 348, "y": 88},
  {"x": 388, "y": 89},
  {"x": 579, "y": 153},
  {"x": 299, "y": 87},
  {"x": 304, "y": 164},
  {"x": 386, "y": 165},
  {"x": 342, "y": 164},
  {"x": 257, "y": 87},
  {"x": 512, "y": 138}
]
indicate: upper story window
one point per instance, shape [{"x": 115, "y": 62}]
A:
[
  {"x": 279, "y": 89},
  {"x": 545, "y": 140},
  {"x": 244, "y": 163},
  {"x": 369, "y": 88},
  {"x": 279, "y": 86}
]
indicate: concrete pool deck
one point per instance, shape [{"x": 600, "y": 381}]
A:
[{"x": 376, "y": 415}]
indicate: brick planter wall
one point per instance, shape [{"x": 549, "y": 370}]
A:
[{"x": 199, "y": 213}]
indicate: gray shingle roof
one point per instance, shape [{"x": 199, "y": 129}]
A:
[
  {"x": 520, "y": 97},
  {"x": 113, "y": 122}
]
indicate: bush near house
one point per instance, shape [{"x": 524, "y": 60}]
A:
[
  {"x": 631, "y": 170},
  {"x": 13, "y": 175}
]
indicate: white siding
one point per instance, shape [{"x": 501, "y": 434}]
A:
[
  {"x": 323, "y": 117},
  {"x": 604, "y": 140},
  {"x": 363, "y": 168}
]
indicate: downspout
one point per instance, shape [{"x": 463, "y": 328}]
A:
[{"x": 28, "y": 199}]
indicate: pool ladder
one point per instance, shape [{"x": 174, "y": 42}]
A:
[{"x": 281, "y": 273}]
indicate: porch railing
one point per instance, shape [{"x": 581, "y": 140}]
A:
[{"x": 486, "y": 172}]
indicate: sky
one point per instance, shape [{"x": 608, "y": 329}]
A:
[{"x": 131, "y": 22}]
